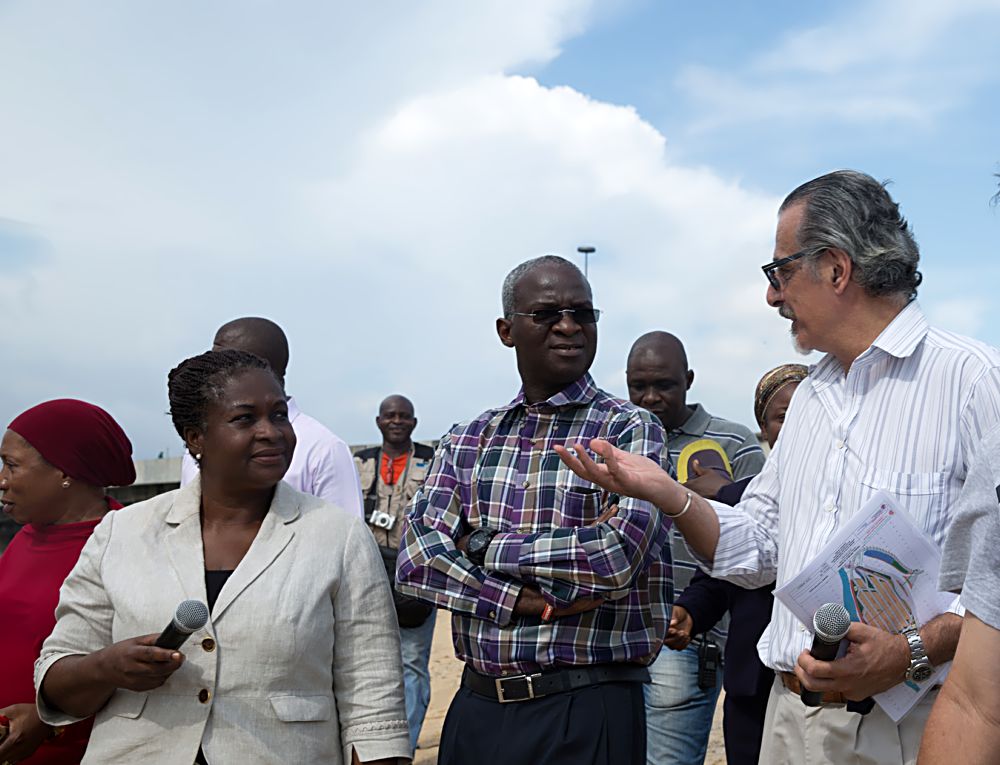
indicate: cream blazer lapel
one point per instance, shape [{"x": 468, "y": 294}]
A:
[
  {"x": 183, "y": 541},
  {"x": 274, "y": 535}
]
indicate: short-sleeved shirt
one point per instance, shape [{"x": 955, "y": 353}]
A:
[{"x": 971, "y": 557}]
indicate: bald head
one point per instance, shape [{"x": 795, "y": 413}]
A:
[
  {"x": 261, "y": 337},
  {"x": 662, "y": 344},
  {"x": 658, "y": 377},
  {"x": 396, "y": 422}
]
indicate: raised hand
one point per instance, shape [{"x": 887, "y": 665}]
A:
[
  {"x": 706, "y": 482},
  {"x": 632, "y": 475}
]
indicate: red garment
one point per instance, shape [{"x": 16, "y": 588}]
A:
[
  {"x": 32, "y": 570},
  {"x": 392, "y": 468},
  {"x": 80, "y": 439}
]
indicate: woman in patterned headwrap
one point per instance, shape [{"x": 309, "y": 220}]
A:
[
  {"x": 774, "y": 394},
  {"x": 58, "y": 457}
]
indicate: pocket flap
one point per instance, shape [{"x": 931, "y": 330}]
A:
[
  {"x": 904, "y": 484},
  {"x": 302, "y": 708},
  {"x": 126, "y": 704}
]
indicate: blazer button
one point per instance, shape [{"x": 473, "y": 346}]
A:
[
  {"x": 208, "y": 644},
  {"x": 204, "y": 695}
]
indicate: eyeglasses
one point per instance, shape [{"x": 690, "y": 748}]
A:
[
  {"x": 550, "y": 316},
  {"x": 771, "y": 270}
]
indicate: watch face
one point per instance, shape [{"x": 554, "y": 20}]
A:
[{"x": 921, "y": 672}]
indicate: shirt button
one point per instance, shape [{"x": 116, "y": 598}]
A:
[
  {"x": 493, "y": 614},
  {"x": 830, "y": 508},
  {"x": 204, "y": 695},
  {"x": 208, "y": 644},
  {"x": 839, "y": 443},
  {"x": 526, "y": 484}
]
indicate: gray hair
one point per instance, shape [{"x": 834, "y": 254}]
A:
[
  {"x": 851, "y": 211},
  {"x": 508, "y": 294}
]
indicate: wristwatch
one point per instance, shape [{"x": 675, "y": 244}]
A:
[
  {"x": 479, "y": 541},
  {"x": 920, "y": 666}
]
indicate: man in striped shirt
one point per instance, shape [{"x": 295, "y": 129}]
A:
[
  {"x": 560, "y": 594},
  {"x": 894, "y": 405},
  {"x": 679, "y": 710}
]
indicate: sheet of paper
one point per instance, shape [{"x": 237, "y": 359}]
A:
[{"x": 884, "y": 569}]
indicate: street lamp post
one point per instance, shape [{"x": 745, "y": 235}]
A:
[{"x": 586, "y": 251}]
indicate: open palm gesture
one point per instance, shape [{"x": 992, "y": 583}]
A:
[{"x": 625, "y": 473}]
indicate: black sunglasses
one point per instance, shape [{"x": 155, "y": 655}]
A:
[
  {"x": 771, "y": 269},
  {"x": 552, "y": 316}
]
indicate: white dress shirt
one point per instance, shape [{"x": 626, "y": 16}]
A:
[
  {"x": 322, "y": 464},
  {"x": 905, "y": 419}
]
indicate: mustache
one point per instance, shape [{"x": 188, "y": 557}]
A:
[{"x": 786, "y": 313}]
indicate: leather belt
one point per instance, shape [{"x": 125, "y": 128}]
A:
[
  {"x": 534, "y": 686},
  {"x": 791, "y": 681}
]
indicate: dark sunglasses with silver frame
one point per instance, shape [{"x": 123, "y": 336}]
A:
[{"x": 551, "y": 316}]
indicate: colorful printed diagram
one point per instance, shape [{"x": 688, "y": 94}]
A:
[{"x": 878, "y": 590}]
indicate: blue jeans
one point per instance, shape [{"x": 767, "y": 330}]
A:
[
  {"x": 678, "y": 712},
  {"x": 416, "y": 647}
]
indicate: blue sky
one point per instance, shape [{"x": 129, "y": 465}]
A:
[{"x": 366, "y": 174}]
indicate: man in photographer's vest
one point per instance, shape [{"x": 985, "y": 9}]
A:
[{"x": 391, "y": 474}]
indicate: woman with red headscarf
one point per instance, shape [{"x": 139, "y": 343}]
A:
[{"x": 58, "y": 457}]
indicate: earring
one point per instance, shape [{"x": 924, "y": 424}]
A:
[
  {"x": 197, "y": 457},
  {"x": 65, "y": 484}
]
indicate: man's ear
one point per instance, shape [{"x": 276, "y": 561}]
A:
[
  {"x": 690, "y": 378},
  {"x": 841, "y": 269},
  {"x": 194, "y": 438},
  {"x": 503, "y": 332}
]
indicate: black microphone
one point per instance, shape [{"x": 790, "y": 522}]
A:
[
  {"x": 190, "y": 616},
  {"x": 830, "y": 623}
]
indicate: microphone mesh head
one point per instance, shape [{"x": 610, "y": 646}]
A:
[
  {"x": 831, "y": 621},
  {"x": 191, "y": 615}
]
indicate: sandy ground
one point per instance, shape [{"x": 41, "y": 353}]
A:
[{"x": 446, "y": 671}]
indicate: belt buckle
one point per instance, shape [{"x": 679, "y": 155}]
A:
[{"x": 528, "y": 679}]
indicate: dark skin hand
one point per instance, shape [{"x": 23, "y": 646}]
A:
[
  {"x": 679, "y": 633},
  {"x": 530, "y": 601},
  {"x": 706, "y": 483},
  {"x": 26, "y": 734},
  {"x": 83, "y": 684}
]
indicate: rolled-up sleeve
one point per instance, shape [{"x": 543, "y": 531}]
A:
[
  {"x": 367, "y": 665},
  {"x": 84, "y": 617}
]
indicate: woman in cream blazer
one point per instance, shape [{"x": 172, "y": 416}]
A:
[{"x": 299, "y": 661}]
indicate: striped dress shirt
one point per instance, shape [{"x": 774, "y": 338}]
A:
[
  {"x": 905, "y": 419},
  {"x": 500, "y": 472}
]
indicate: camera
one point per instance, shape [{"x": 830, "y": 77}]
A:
[{"x": 381, "y": 520}]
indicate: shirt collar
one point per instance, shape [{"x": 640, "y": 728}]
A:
[
  {"x": 293, "y": 409},
  {"x": 579, "y": 393},
  {"x": 697, "y": 423},
  {"x": 900, "y": 339}
]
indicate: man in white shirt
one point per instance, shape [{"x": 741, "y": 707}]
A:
[
  {"x": 895, "y": 405},
  {"x": 322, "y": 464}
]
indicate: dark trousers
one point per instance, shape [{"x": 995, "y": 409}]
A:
[
  {"x": 743, "y": 726},
  {"x": 597, "y": 725}
]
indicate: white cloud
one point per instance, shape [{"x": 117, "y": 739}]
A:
[
  {"x": 366, "y": 178},
  {"x": 902, "y": 62}
]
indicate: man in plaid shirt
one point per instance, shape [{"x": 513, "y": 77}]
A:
[{"x": 560, "y": 593}]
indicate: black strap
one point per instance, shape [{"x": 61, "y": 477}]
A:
[{"x": 525, "y": 687}]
